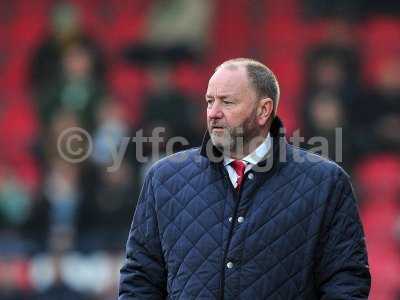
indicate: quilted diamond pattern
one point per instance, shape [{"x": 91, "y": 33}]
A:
[{"x": 299, "y": 237}]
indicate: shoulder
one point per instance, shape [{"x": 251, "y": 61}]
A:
[
  {"x": 184, "y": 163},
  {"x": 314, "y": 166}
]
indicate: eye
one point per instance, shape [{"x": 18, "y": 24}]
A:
[
  {"x": 227, "y": 102},
  {"x": 209, "y": 102}
]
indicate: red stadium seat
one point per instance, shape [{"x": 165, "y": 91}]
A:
[
  {"x": 379, "y": 177},
  {"x": 18, "y": 131},
  {"x": 191, "y": 78},
  {"x": 378, "y": 180},
  {"x": 231, "y": 30},
  {"x": 114, "y": 23},
  {"x": 379, "y": 40},
  {"x": 128, "y": 85}
]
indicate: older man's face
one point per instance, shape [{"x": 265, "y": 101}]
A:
[{"x": 231, "y": 109}]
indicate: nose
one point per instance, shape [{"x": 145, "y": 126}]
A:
[{"x": 214, "y": 112}]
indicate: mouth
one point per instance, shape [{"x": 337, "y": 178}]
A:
[{"x": 217, "y": 128}]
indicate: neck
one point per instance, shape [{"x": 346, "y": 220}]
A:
[{"x": 249, "y": 146}]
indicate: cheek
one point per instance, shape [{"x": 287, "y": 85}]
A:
[{"x": 235, "y": 119}]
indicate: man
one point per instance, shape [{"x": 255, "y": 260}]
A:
[{"x": 246, "y": 216}]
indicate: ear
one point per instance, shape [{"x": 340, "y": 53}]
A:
[{"x": 264, "y": 111}]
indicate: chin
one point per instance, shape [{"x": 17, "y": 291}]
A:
[{"x": 220, "y": 142}]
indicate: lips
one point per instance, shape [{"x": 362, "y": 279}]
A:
[{"x": 216, "y": 126}]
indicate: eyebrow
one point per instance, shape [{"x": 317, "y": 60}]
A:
[{"x": 221, "y": 96}]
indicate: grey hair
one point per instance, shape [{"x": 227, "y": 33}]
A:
[{"x": 261, "y": 77}]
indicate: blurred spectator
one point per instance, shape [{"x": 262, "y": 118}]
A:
[
  {"x": 162, "y": 102},
  {"x": 67, "y": 70},
  {"x": 333, "y": 64},
  {"x": 388, "y": 7},
  {"x": 177, "y": 30},
  {"x": 108, "y": 136},
  {"x": 334, "y": 8},
  {"x": 47, "y": 144},
  {"x": 15, "y": 210},
  {"x": 62, "y": 192},
  {"x": 333, "y": 81},
  {"x": 325, "y": 117},
  {"x": 376, "y": 114},
  {"x": 355, "y": 10},
  {"x": 109, "y": 184},
  {"x": 36, "y": 229},
  {"x": 15, "y": 202},
  {"x": 159, "y": 120},
  {"x": 106, "y": 208},
  {"x": 59, "y": 290},
  {"x": 179, "y": 22},
  {"x": 111, "y": 289}
]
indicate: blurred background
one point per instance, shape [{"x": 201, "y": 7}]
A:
[{"x": 114, "y": 67}]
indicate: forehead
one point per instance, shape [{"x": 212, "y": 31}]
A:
[{"x": 228, "y": 80}]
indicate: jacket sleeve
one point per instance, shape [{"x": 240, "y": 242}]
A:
[
  {"x": 143, "y": 275},
  {"x": 342, "y": 270}
]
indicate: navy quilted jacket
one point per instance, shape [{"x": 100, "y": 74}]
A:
[{"x": 293, "y": 232}]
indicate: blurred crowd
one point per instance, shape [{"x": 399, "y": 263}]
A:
[{"x": 115, "y": 68}]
